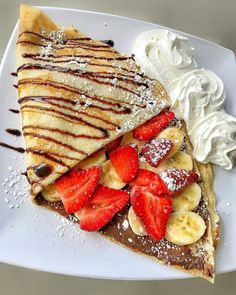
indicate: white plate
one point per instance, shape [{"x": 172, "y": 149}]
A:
[{"x": 34, "y": 237}]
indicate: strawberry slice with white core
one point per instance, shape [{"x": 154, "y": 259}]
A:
[
  {"x": 148, "y": 181},
  {"x": 152, "y": 127},
  {"x": 76, "y": 187},
  {"x": 102, "y": 207},
  {"x": 154, "y": 212},
  {"x": 178, "y": 179},
  {"x": 125, "y": 161},
  {"x": 157, "y": 150}
]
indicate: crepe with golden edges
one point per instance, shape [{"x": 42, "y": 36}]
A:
[{"x": 75, "y": 95}]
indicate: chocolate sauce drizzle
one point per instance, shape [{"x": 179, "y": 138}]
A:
[
  {"x": 42, "y": 170},
  {"x": 108, "y": 42},
  {"x": 53, "y": 84},
  {"x": 85, "y": 46},
  {"x": 14, "y": 132},
  {"x": 14, "y": 74},
  {"x": 75, "y": 56},
  {"x": 14, "y": 111},
  {"x": 59, "y": 59},
  {"x": 92, "y": 76},
  {"x": 17, "y": 149}
]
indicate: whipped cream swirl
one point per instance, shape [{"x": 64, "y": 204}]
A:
[
  {"x": 198, "y": 97},
  {"x": 163, "y": 55},
  {"x": 214, "y": 139},
  {"x": 196, "y": 94}
]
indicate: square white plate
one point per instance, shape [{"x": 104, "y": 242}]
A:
[{"x": 34, "y": 237}]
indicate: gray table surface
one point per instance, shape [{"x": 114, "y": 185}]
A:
[{"x": 212, "y": 19}]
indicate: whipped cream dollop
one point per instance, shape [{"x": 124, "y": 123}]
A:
[
  {"x": 163, "y": 55},
  {"x": 214, "y": 139},
  {"x": 198, "y": 97},
  {"x": 196, "y": 94}
]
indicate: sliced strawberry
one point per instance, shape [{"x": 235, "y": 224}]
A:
[
  {"x": 148, "y": 181},
  {"x": 152, "y": 127},
  {"x": 101, "y": 207},
  {"x": 157, "y": 150},
  {"x": 178, "y": 179},
  {"x": 114, "y": 144},
  {"x": 154, "y": 212},
  {"x": 76, "y": 187},
  {"x": 125, "y": 161}
]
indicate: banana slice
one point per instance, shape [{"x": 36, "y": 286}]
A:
[
  {"x": 92, "y": 161},
  {"x": 160, "y": 168},
  {"x": 180, "y": 160},
  {"x": 188, "y": 200},
  {"x": 135, "y": 223},
  {"x": 50, "y": 194},
  {"x": 129, "y": 139},
  {"x": 185, "y": 228},
  {"x": 175, "y": 135},
  {"x": 109, "y": 176}
]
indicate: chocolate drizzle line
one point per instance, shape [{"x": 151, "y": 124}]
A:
[
  {"x": 74, "y": 90},
  {"x": 14, "y": 85},
  {"x": 74, "y": 56},
  {"x": 108, "y": 42},
  {"x": 85, "y": 46},
  {"x": 49, "y": 99},
  {"x": 87, "y": 75},
  {"x": 54, "y": 59},
  {"x": 14, "y": 132},
  {"x": 63, "y": 132},
  {"x": 14, "y": 74},
  {"x": 72, "y": 118},
  {"x": 14, "y": 111},
  {"x": 51, "y": 139},
  {"x": 17, "y": 149},
  {"x": 50, "y": 156}
]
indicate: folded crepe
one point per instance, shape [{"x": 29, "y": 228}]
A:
[{"x": 76, "y": 95}]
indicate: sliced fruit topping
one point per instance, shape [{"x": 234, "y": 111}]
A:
[
  {"x": 152, "y": 127},
  {"x": 157, "y": 150},
  {"x": 175, "y": 135},
  {"x": 148, "y": 181},
  {"x": 101, "y": 207},
  {"x": 188, "y": 199},
  {"x": 125, "y": 161},
  {"x": 96, "y": 158},
  {"x": 76, "y": 187},
  {"x": 185, "y": 228},
  {"x": 153, "y": 212},
  {"x": 114, "y": 144},
  {"x": 160, "y": 168},
  {"x": 178, "y": 179},
  {"x": 180, "y": 160},
  {"x": 135, "y": 223},
  {"x": 109, "y": 176},
  {"x": 129, "y": 139},
  {"x": 50, "y": 194}
]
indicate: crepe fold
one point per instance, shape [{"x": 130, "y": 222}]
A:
[{"x": 76, "y": 95}]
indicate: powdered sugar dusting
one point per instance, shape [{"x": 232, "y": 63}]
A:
[
  {"x": 175, "y": 179},
  {"x": 156, "y": 150}
]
